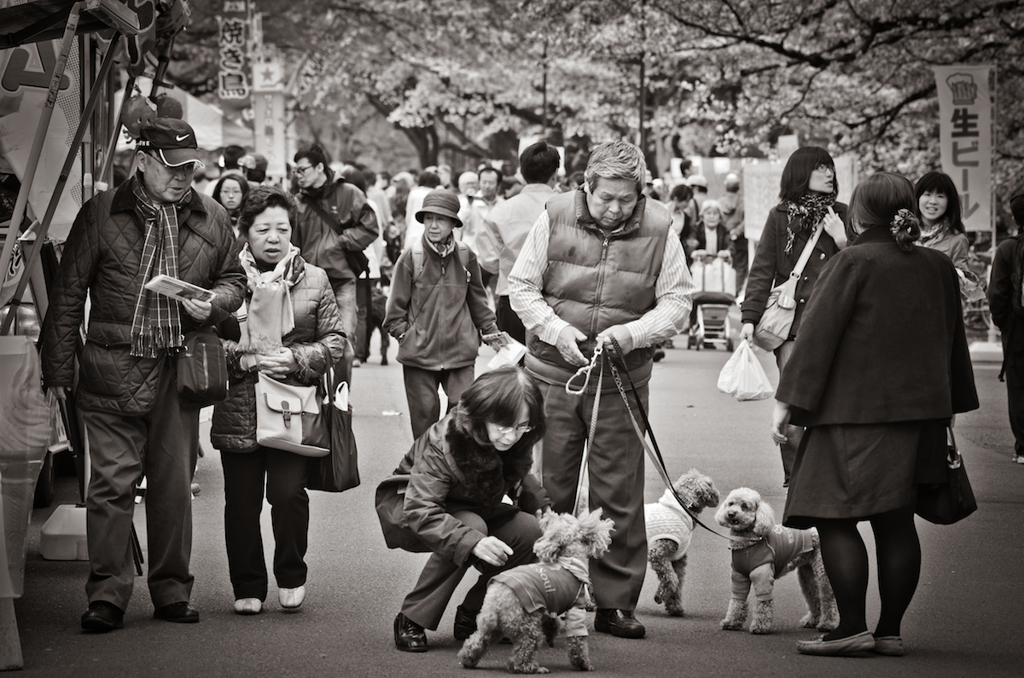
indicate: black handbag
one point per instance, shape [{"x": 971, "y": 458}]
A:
[
  {"x": 339, "y": 470},
  {"x": 202, "y": 368},
  {"x": 952, "y": 501}
]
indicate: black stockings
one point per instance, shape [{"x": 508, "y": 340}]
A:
[{"x": 898, "y": 554}]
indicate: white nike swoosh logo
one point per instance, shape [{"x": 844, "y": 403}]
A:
[{"x": 182, "y": 137}]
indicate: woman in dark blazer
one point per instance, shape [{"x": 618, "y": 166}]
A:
[
  {"x": 807, "y": 201},
  {"x": 879, "y": 367}
]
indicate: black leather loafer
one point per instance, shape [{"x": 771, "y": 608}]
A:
[
  {"x": 409, "y": 636},
  {"x": 179, "y": 613},
  {"x": 619, "y": 623},
  {"x": 465, "y": 623},
  {"x": 102, "y": 617}
]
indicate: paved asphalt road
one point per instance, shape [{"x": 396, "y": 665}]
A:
[{"x": 960, "y": 623}]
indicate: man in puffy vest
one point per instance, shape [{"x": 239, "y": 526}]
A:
[{"x": 601, "y": 263}]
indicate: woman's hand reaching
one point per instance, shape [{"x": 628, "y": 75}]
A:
[{"x": 492, "y": 551}]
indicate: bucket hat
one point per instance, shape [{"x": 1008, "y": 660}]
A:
[{"x": 440, "y": 201}]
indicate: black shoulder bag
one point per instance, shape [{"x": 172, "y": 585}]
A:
[{"x": 357, "y": 261}]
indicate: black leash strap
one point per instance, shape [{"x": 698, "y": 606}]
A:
[{"x": 653, "y": 451}]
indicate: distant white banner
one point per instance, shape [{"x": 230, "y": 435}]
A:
[{"x": 965, "y": 135}]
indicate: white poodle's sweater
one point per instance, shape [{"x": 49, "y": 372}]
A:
[{"x": 668, "y": 520}]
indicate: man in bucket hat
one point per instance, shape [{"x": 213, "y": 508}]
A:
[
  {"x": 136, "y": 422},
  {"x": 437, "y": 310}
]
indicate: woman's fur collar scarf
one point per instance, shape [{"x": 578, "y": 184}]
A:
[{"x": 489, "y": 474}]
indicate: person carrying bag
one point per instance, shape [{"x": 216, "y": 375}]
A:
[{"x": 777, "y": 320}]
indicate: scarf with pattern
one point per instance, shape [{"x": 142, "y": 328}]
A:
[
  {"x": 156, "y": 322},
  {"x": 270, "y": 315},
  {"x": 938, "y": 230},
  {"x": 810, "y": 210}
]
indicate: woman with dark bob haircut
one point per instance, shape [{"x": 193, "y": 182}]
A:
[
  {"x": 879, "y": 368},
  {"x": 470, "y": 499},
  {"x": 937, "y": 205},
  {"x": 807, "y": 203},
  {"x": 292, "y": 333}
]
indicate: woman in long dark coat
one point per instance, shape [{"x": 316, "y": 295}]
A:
[{"x": 879, "y": 367}]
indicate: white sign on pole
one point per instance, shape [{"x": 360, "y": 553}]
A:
[{"x": 965, "y": 135}]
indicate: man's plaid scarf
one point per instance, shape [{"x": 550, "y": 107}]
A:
[{"x": 156, "y": 324}]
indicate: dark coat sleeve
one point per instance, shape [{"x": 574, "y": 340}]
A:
[
  {"x": 476, "y": 295},
  {"x": 762, "y": 272},
  {"x": 1000, "y": 292}
]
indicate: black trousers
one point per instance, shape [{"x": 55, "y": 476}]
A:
[
  {"x": 508, "y": 320},
  {"x": 1015, "y": 404},
  {"x": 285, "y": 476}
]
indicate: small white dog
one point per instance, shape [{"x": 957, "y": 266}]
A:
[
  {"x": 669, "y": 530},
  {"x": 766, "y": 551}
]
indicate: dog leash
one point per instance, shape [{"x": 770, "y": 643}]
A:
[
  {"x": 582, "y": 502},
  {"x": 653, "y": 451}
]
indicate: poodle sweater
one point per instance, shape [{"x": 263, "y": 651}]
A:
[
  {"x": 558, "y": 587},
  {"x": 778, "y": 547},
  {"x": 668, "y": 520}
]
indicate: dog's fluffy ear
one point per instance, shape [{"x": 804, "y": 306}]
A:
[
  {"x": 764, "y": 518},
  {"x": 596, "y": 532},
  {"x": 720, "y": 517},
  {"x": 555, "y": 534}
]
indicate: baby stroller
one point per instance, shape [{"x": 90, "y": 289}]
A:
[{"x": 716, "y": 285}]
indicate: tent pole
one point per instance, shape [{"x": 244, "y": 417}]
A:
[
  {"x": 108, "y": 160},
  {"x": 69, "y": 161},
  {"x": 37, "y": 147}
]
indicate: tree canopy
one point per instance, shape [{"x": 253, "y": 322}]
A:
[{"x": 720, "y": 77}]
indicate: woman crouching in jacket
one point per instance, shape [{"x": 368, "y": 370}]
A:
[
  {"x": 471, "y": 500},
  {"x": 292, "y": 333}
]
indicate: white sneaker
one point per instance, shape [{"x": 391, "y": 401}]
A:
[
  {"x": 1018, "y": 459},
  {"x": 248, "y": 606},
  {"x": 291, "y": 598}
]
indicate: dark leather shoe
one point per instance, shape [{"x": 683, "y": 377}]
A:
[
  {"x": 465, "y": 623},
  {"x": 619, "y": 623},
  {"x": 409, "y": 636},
  {"x": 179, "y": 613},
  {"x": 102, "y": 617}
]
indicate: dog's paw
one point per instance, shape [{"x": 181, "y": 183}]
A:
[
  {"x": 809, "y": 622},
  {"x": 731, "y": 625}
]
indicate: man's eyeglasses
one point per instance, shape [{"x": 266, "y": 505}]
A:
[
  {"x": 187, "y": 168},
  {"x": 507, "y": 430},
  {"x": 299, "y": 171}
]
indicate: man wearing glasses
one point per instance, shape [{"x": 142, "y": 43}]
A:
[
  {"x": 129, "y": 405},
  {"x": 334, "y": 226}
]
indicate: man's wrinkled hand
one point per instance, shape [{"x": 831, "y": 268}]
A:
[
  {"x": 568, "y": 345},
  {"x": 198, "y": 309},
  {"x": 621, "y": 334}
]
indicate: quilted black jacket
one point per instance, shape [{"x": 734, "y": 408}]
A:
[
  {"x": 101, "y": 259},
  {"x": 317, "y": 342}
]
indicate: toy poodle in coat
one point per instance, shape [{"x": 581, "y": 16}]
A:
[
  {"x": 669, "y": 529},
  {"x": 764, "y": 551},
  {"x": 523, "y": 603}
]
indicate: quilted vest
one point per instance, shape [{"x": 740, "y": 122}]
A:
[{"x": 595, "y": 279}]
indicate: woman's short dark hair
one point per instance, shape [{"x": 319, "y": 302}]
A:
[
  {"x": 498, "y": 397},
  {"x": 259, "y": 200},
  {"x": 876, "y": 201},
  {"x": 242, "y": 183},
  {"x": 796, "y": 176},
  {"x": 937, "y": 182},
  {"x": 681, "y": 193}
]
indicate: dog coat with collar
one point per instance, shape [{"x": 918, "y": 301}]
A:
[
  {"x": 668, "y": 520},
  {"x": 559, "y": 588},
  {"x": 779, "y": 546}
]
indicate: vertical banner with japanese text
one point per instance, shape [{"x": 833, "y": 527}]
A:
[
  {"x": 268, "y": 106},
  {"x": 965, "y": 134},
  {"x": 234, "y": 86}
]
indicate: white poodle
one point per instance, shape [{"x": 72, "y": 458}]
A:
[{"x": 765, "y": 551}]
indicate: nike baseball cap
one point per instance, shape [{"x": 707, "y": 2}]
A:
[{"x": 173, "y": 139}]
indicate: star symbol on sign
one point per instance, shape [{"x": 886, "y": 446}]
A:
[{"x": 269, "y": 76}]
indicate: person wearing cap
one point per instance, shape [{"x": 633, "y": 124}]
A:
[
  {"x": 127, "y": 400},
  {"x": 334, "y": 226},
  {"x": 1004, "y": 301},
  {"x": 437, "y": 311},
  {"x": 601, "y": 264}
]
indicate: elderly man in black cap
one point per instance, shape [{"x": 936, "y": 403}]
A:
[
  {"x": 137, "y": 424},
  {"x": 1004, "y": 300},
  {"x": 437, "y": 310}
]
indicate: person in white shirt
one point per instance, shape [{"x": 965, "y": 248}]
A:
[{"x": 508, "y": 224}]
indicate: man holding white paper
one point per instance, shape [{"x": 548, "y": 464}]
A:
[{"x": 152, "y": 225}]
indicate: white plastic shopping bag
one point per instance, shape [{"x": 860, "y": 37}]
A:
[{"x": 743, "y": 377}]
